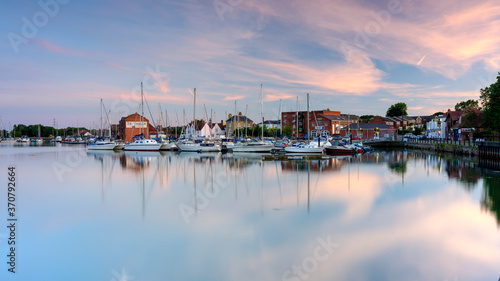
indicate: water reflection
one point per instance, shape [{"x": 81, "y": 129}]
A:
[
  {"x": 397, "y": 215},
  {"x": 491, "y": 195},
  {"x": 248, "y": 170}
]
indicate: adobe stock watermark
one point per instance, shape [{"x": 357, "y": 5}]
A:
[
  {"x": 486, "y": 81},
  {"x": 30, "y": 27},
  {"x": 202, "y": 199},
  {"x": 152, "y": 80},
  {"x": 363, "y": 37},
  {"x": 121, "y": 276},
  {"x": 303, "y": 271},
  {"x": 223, "y": 6},
  {"x": 70, "y": 163}
]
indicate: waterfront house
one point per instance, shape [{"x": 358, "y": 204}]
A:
[
  {"x": 212, "y": 130},
  {"x": 455, "y": 129},
  {"x": 321, "y": 122},
  {"x": 436, "y": 128},
  {"x": 131, "y": 126},
  {"x": 195, "y": 131},
  {"x": 235, "y": 122}
]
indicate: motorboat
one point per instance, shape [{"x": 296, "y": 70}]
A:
[
  {"x": 24, "y": 139},
  {"x": 143, "y": 145},
  {"x": 339, "y": 150},
  {"x": 102, "y": 145},
  {"x": 304, "y": 148}
]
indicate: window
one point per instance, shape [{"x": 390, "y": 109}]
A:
[
  {"x": 312, "y": 123},
  {"x": 294, "y": 126},
  {"x": 284, "y": 122},
  {"x": 284, "y": 116},
  {"x": 326, "y": 123},
  {"x": 319, "y": 121}
]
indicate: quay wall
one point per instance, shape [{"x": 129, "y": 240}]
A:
[{"x": 445, "y": 148}]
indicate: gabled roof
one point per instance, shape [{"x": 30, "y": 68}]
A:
[
  {"x": 453, "y": 115},
  {"x": 239, "y": 118},
  {"x": 138, "y": 117}
]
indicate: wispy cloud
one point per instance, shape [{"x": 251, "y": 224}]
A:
[{"x": 54, "y": 48}]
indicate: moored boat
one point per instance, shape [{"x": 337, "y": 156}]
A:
[
  {"x": 143, "y": 145},
  {"x": 304, "y": 148},
  {"x": 253, "y": 146},
  {"x": 190, "y": 146},
  {"x": 339, "y": 150},
  {"x": 102, "y": 145}
]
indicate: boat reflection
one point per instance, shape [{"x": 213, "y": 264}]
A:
[{"x": 248, "y": 174}]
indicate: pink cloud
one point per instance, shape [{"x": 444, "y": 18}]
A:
[{"x": 52, "y": 47}]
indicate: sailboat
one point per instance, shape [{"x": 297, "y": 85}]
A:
[
  {"x": 143, "y": 144},
  {"x": 255, "y": 145},
  {"x": 39, "y": 139},
  {"x": 312, "y": 147},
  {"x": 101, "y": 143},
  {"x": 191, "y": 145}
]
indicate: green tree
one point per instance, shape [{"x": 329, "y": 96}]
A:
[
  {"x": 438, "y": 113},
  {"x": 365, "y": 118},
  {"x": 471, "y": 119},
  {"x": 287, "y": 131},
  {"x": 465, "y": 104},
  {"x": 490, "y": 98},
  {"x": 398, "y": 109}
]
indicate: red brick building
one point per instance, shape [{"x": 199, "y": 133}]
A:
[
  {"x": 320, "y": 122},
  {"x": 130, "y": 126},
  {"x": 369, "y": 130}
]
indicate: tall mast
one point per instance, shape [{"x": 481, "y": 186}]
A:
[
  {"x": 109, "y": 123},
  {"x": 100, "y": 133},
  {"x": 262, "y": 109},
  {"x": 234, "y": 119},
  {"x": 297, "y": 122},
  {"x": 142, "y": 111},
  {"x": 246, "y": 119},
  {"x": 194, "y": 113},
  {"x": 281, "y": 120},
  {"x": 308, "y": 132},
  {"x": 160, "y": 119}
]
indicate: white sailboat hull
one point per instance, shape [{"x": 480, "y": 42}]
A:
[
  {"x": 198, "y": 148},
  {"x": 166, "y": 146},
  {"x": 108, "y": 146},
  {"x": 292, "y": 149},
  {"x": 253, "y": 148}
]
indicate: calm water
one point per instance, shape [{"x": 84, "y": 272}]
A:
[{"x": 187, "y": 216}]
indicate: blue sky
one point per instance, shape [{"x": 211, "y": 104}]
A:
[{"x": 60, "y": 58}]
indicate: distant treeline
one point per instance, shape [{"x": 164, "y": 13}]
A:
[{"x": 45, "y": 131}]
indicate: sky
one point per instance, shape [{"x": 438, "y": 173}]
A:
[{"x": 59, "y": 58}]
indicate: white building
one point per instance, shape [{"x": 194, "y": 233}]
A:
[
  {"x": 191, "y": 132},
  {"x": 436, "y": 128},
  {"x": 216, "y": 131},
  {"x": 271, "y": 124}
]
